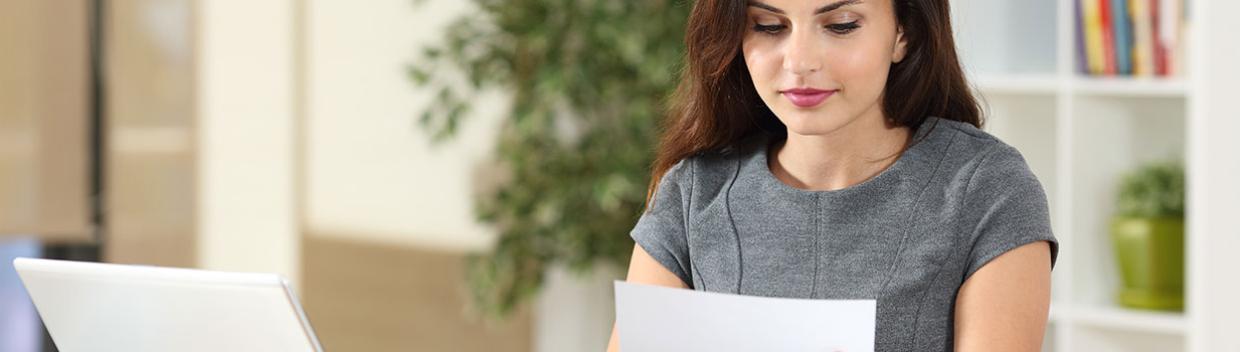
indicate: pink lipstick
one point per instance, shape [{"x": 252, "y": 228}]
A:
[{"x": 807, "y": 97}]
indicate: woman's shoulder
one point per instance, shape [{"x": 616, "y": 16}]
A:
[
  {"x": 715, "y": 168},
  {"x": 997, "y": 195},
  {"x": 976, "y": 157},
  {"x": 965, "y": 136}
]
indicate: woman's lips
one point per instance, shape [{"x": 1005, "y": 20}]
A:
[{"x": 807, "y": 97}]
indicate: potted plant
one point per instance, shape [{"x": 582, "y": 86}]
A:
[
  {"x": 1148, "y": 236},
  {"x": 588, "y": 84}
]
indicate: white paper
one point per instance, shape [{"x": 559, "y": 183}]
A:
[{"x": 653, "y": 318}]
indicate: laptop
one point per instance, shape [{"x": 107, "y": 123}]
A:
[{"x": 111, "y": 307}]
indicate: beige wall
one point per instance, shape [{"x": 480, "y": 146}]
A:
[
  {"x": 232, "y": 124},
  {"x": 44, "y": 112},
  {"x": 387, "y": 216},
  {"x": 150, "y": 155},
  {"x": 247, "y": 216},
  {"x": 373, "y": 297},
  {"x": 370, "y": 170},
  {"x": 279, "y": 136},
  {"x": 201, "y": 125}
]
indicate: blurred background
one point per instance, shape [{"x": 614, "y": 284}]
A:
[{"x": 461, "y": 175}]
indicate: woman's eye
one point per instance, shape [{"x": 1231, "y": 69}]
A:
[
  {"x": 768, "y": 29},
  {"x": 843, "y": 28}
]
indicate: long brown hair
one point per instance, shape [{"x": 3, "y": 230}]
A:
[{"x": 715, "y": 107}]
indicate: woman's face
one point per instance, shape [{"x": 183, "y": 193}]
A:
[{"x": 822, "y": 64}]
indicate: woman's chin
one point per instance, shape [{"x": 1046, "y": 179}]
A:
[{"x": 810, "y": 123}]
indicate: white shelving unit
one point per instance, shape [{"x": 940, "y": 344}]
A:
[{"x": 1080, "y": 133}]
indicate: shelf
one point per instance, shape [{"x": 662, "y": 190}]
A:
[
  {"x": 1090, "y": 86},
  {"x": 1117, "y": 318},
  {"x": 1129, "y": 86}
]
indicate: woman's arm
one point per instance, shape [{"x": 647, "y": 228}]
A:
[
  {"x": 1004, "y": 305},
  {"x": 643, "y": 269}
]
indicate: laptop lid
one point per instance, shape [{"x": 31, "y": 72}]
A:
[{"x": 111, "y": 307}]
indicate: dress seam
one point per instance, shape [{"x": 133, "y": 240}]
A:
[
  {"x": 899, "y": 252},
  {"x": 695, "y": 273},
  {"x": 727, "y": 202},
  {"x": 912, "y": 211},
  {"x": 813, "y": 292}
]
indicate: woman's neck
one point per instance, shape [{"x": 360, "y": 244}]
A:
[{"x": 845, "y": 157}]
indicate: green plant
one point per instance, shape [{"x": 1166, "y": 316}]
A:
[
  {"x": 1154, "y": 190},
  {"x": 1148, "y": 237},
  {"x": 588, "y": 81}
]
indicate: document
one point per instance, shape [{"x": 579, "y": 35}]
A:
[{"x": 654, "y": 318}]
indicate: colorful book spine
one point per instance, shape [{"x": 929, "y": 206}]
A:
[
  {"x": 1130, "y": 37},
  {"x": 1160, "y": 59},
  {"x": 1093, "y": 36},
  {"x": 1108, "y": 37},
  {"x": 1172, "y": 12},
  {"x": 1143, "y": 41},
  {"x": 1122, "y": 26}
]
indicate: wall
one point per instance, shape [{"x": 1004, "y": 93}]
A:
[
  {"x": 371, "y": 171},
  {"x": 247, "y": 217},
  {"x": 387, "y": 216}
]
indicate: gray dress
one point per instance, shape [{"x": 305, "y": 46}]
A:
[{"x": 908, "y": 237}]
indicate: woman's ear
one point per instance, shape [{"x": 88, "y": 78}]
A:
[{"x": 897, "y": 53}]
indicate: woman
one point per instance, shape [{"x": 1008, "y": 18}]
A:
[{"x": 831, "y": 149}]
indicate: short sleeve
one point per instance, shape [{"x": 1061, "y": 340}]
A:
[
  {"x": 661, "y": 229},
  {"x": 1010, "y": 205}
]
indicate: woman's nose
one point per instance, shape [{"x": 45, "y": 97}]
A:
[{"x": 803, "y": 53}]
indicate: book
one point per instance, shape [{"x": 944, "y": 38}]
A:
[
  {"x": 1108, "y": 36},
  {"x": 1093, "y": 36},
  {"x": 1171, "y": 12},
  {"x": 1160, "y": 65},
  {"x": 1143, "y": 41},
  {"x": 1122, "y": 28},
  {"x": 1142, "y": 38}
]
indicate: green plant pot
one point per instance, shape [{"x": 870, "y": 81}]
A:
[{"x": 1150, "y": 252}]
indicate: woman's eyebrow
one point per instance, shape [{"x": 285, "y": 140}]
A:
[
  {"x": 764, "y": 6},
  {"x": 835, "y": 5},
  {"x": 821, "y": 10}
]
